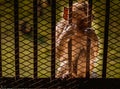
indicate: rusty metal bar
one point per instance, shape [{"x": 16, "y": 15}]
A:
[
  {"x": 70, "y": 11},
  {"x": 0, "y": 50},
  {"x": 53, "y": 25},
  {"x": 106, "y": 30},
  {"x": 70, "y": 41},
  {"x": 70, "y": 54},
  {"x": 79, "y": 83},
  {"x": 16, "y": 30},
  {"x": 35, "y": 38},
  {"x": 88, "y": 46}
]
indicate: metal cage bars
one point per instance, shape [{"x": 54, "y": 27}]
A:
[
  {"x": 106, "y": 29},
  {"x": 16, "y": 30},
  {"x": 53, "y": 25},
  {"x": 88, "y": 40},
  {"x": 35, "y": 38},
  {"x": 0, "y": 51},
  {"x": 52, "y": 82}
]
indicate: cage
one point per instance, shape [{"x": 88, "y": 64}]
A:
[{"x": 64, "y": 44}]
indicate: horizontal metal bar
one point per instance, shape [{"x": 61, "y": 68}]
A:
[{"x": 101, "y": 83}]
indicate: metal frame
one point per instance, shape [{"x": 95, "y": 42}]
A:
[
  {"x": 99, "y": 83},
  {"x": 17, "y": 82}
]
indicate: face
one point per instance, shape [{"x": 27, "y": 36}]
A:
[{"x": 79, "y": 15}]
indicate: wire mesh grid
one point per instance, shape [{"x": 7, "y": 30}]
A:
[
  {"x": 45, "y": 45},
  {"x": 114, "y": 42}
]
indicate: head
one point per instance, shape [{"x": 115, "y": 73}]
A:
[
  {"x": 80, "y": 19},
  {"x": 80, "y": 15}
]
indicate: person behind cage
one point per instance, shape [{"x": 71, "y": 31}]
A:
[{"x": 77, "y": 32}]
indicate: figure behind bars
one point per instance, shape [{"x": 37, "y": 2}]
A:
[{"x": 77, "y": 32}]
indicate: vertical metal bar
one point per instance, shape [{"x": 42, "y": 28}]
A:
[
  {"x": 16, "y": 30},
  {"x": 88, "y": 58},
  {"x": 0, "y": 51},
  {"x": 53, "y": 25},
  {"x": 89, "y": 12},
  {"x": 35, "y": 38},
  {"x": 70, "y": 41},
  {"x": 106, "y": 30},
  {"x": 70, "y": 55},
  {"x": 70, "y": 11}
]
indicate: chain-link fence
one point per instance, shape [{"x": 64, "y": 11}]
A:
[{"x": 59, "y": 43}]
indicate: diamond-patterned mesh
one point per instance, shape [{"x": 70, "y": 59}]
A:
[
  {"x": 113, "y": 63},
  {"x": 98, "y": 24},
  {"x": 44, "y": 34},
  {"x": 44, "y": 40},
  {"x": 26, "y": 38},
  {"x": 7, "y": 39},
  {"x": 78, "y": 38},
  {"x": 26, "y": 45}
]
